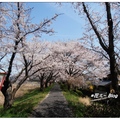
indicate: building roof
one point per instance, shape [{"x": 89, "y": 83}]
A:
[
  {"x": 103, "y": 83},
  {"x": 2, "y": 73}
]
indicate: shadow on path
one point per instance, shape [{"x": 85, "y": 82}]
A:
[{"x": 55, "y": 105}]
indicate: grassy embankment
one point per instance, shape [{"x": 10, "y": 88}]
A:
[
  {"x": 82, "y": 107},
  {"x": 24, "y": 104}
]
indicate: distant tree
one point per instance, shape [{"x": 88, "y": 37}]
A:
[
  {"x": 73, "y": 60},
  {"x": 49, "y": 71}
]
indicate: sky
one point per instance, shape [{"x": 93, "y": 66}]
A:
[{"x": 67, "y": 26}]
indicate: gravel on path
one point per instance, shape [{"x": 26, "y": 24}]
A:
[{"x": 54, "y": 105}]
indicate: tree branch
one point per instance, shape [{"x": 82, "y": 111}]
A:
[{"x": 95, "y": 29}]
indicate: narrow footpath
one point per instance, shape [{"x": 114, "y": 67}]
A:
[{"x": 54, "y": 105}]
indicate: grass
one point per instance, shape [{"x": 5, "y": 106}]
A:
[
  {"x": 85, "y": 101},
  {"x": 74, "y": 104},
  {"x": 25, "y": 88},
  {"x": 96, "y": 109},
  {"x": 23, "y": 105},
  {"x": 73, "y": 101}
]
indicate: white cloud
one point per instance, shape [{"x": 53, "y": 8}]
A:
[{"x": 68, "y": 10}]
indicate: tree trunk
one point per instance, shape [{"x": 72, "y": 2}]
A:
[
  {"x": 46, "y": 84},
  {"x": 113, "y": 73},
  {"x": 50, "y": 83},
  {"x": 7, "y": 92},
  {"x": 110, "y": 48},
  {"x": 41, "y": 78},
  {"x": 111, "y": 53},
  {"x": 41, "y": 85},
  {"x": 68, "y": 86},
  {"x": 8, "y": 101},
  {"x": 14, "y": 92}
]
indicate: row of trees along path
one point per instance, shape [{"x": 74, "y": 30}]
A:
[{"x": 54, "y": 105}]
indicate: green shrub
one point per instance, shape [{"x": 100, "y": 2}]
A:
[
  {"x": 79, "y": 92},
  {"x": 63, "y": 86}
]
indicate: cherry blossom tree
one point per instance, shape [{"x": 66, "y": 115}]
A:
[
  {"x": 71, "y": 60},
  {"x": 30, "y": 63},
  {"x": 48, "y": 73},
  {"x": 102, "y": 32},
  {"x": 14, "y": 35},
  {"x": 74, "y": 61},
  {"x": 2, "y": 23}
]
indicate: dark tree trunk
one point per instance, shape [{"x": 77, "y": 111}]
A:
[
  {"x": 46, "y": 84},
  {"x": 68, "y": 86},
  {"x": 41, "y": 85},
  {"x": 50, "y": 76},
  {"x": 111, "y": 52},
  {"x": 7, "y": 92},
  {"x": 50, "y": 83},
  {"x": 41, "y": 78},
  {"x": 113, "y": 73},
  {"x": 110, "y": 48}
]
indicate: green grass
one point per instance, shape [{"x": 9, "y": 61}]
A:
[
  {"x": 23, "y": 106},
  {"x": 97, "y": 109},
  {"x": 73, "y": 101}
]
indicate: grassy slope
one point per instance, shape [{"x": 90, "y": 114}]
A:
[
  {"x": 73, "y": 102},
  {"x": 23, "y": 106},
  {"x": 94, "y": 110}
]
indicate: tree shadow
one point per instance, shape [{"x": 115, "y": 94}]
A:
[{"x": 58, "y": 109}]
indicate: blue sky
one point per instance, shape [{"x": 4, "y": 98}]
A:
[{"x": 67, "y": 26}]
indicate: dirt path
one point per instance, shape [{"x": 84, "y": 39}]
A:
[{"x": 54, "y": 105}]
